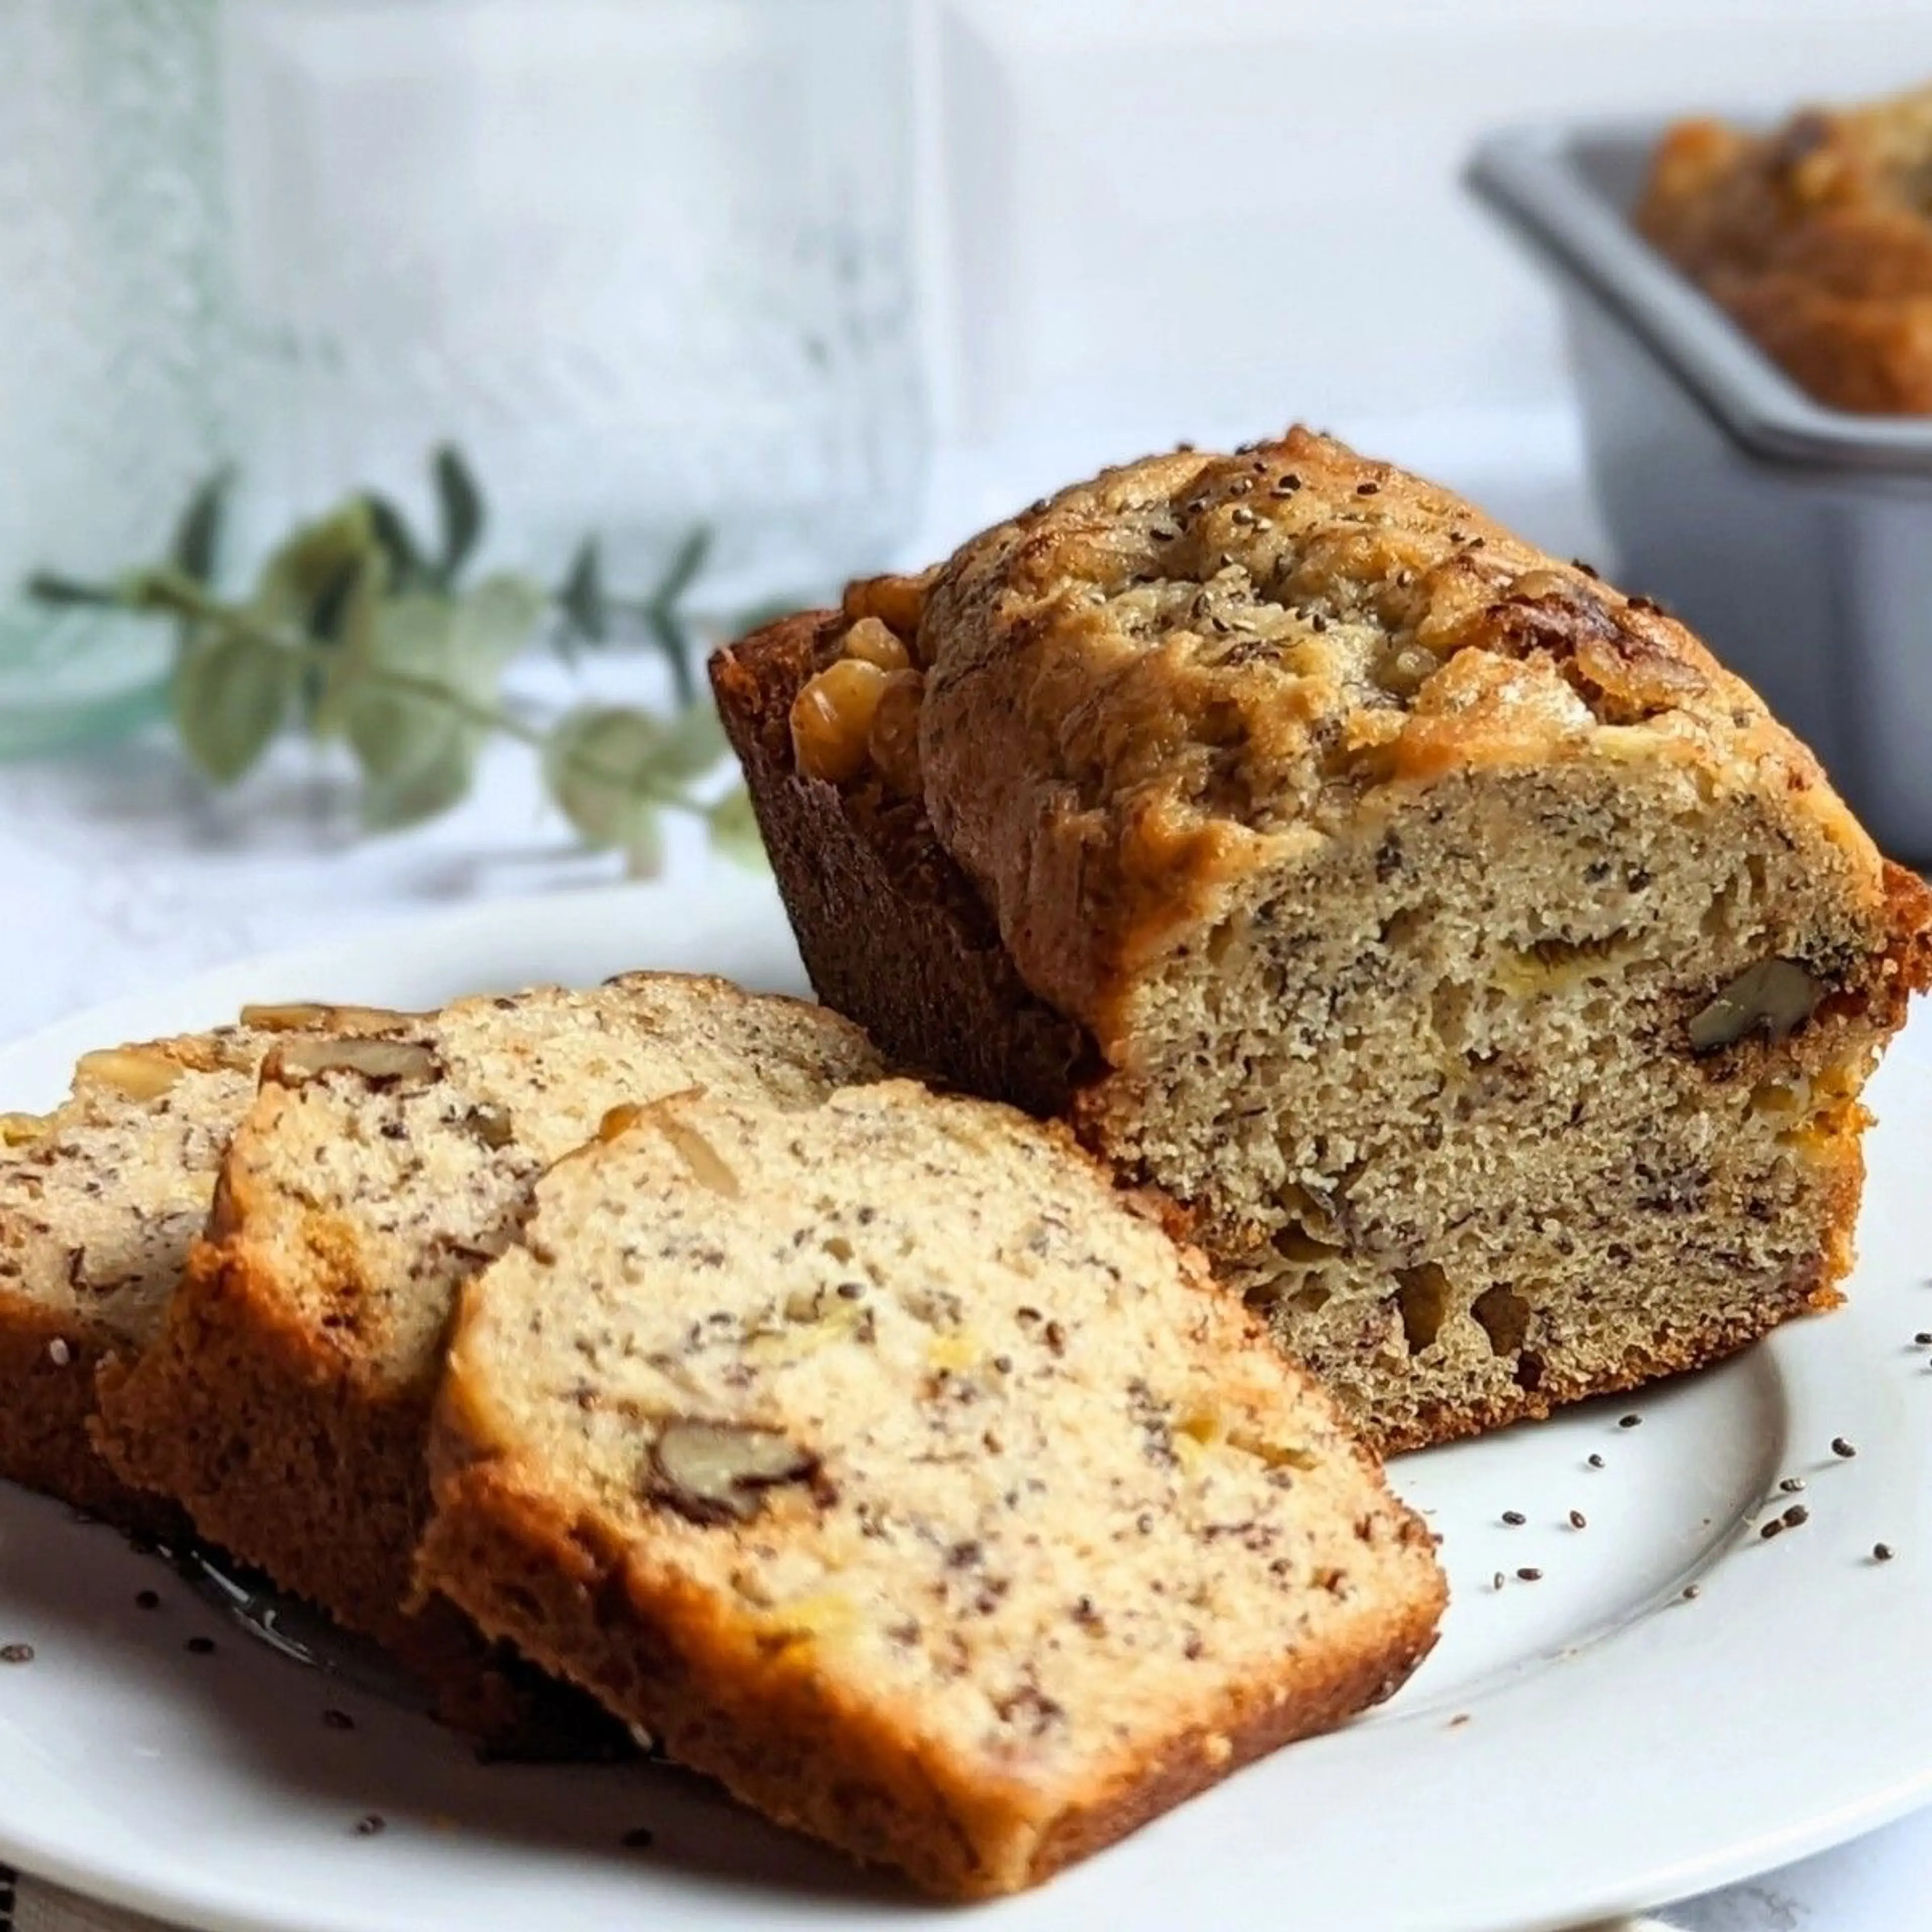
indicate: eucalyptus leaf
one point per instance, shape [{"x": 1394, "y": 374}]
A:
[
  {"x": 643, "y": 850},
  {"x": 296, "y": 576},
  {"x": 692, "y": 743},
  {"x": 351, "y": 615},
  {"x": 196, "y": 547},
  {"x": 733, "y": 827},
  {"x": 681, "y": 572},
  {"x": 605, "y": 766},
  {"x": 48, "y": 587},
  {"x": 231, "y": 692},
  {"x": 492, "y": 624},
  {"x": 391, "y": 530},
  {"x": 668, "y": 634},
  {"x": 165, "y": 591},
  {"x": 459, "y": 500},
  {"x": 327, "y": 613},
  {"x": 425, "y": 787},
  {"x": 582, "y": 597}
]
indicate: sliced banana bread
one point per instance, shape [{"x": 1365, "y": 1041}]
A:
[
  {"x": 1494, "y": 977},
  {"x": 285, "y": 1404},
  {"x": 99, "y": 1201},
  {"x": 898, "y": 1471}
]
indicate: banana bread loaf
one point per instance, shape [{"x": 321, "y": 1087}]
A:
[
  {"x": 1489, "y": 974},
  {"x": 286, "y": 1402},
  {"x": 966, "y": 1526},
  {"x": 1817, "y": 239}
]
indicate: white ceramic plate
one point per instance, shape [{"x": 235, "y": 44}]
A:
[{"x": 1587, "y": 1741}]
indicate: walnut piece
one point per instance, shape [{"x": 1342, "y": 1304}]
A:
[
  {"x": 378, "y": 1061},
  {"x": 716, "y": 1472},
  {"x": 139, "y": 1072},
  {"x": 302, "y": 1016},
  {"x": 1776, "y": 994}
]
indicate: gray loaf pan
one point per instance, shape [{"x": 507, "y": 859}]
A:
[{"x": 1796, "y": 539}]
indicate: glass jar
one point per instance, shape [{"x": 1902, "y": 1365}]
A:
[
  {"x": 647, "y": 263},
  {"x": 111, "y": 336}
]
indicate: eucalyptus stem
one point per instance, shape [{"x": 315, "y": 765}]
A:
[{"x": 363, "y": 630}]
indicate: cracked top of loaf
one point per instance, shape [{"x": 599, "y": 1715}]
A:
[
  {"x": 1152, "y": 687},
  {"x": 1816, "y": 238}
]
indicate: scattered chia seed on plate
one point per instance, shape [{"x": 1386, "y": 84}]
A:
[
  {"x": 1844, "y": 1449},
  {"x": 1578, "y": 1520},
  {"x": 1530, "y": 1575},
  {"x": 1514, "y": 1518},
  {"x": 16, "y": 1653}
]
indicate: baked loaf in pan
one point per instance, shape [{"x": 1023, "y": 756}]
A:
[
  {"x": 286, "y": 1403},
  {"x": 1491, "y": 976},
  {"x": 897, "y": 1470},
  {"x": 99, "y": 1201},
  {"x": 1817, "y": 239}
]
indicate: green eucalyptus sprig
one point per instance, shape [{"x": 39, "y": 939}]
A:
[{"x": 361, "y": 634}]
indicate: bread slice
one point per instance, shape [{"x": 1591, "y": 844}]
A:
[
  {"x": 99, "y": 1201},
  {"x": 286, "y": 1403},
  {"x": 896, "y": 1470},
  {"x": 1491, "y": 975}
]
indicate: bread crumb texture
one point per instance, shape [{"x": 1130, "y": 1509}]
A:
[
  {"x": 1482, "y": 964},
  {"x": 898, "y": 1471},
  {"x": 286, "y": 1404},
  {"x": 100, "y": 1201}
]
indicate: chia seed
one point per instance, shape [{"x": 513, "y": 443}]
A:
[
  {"x": 16, "y": 1653},
  {"x": 1514, "y": 1518},
  {"x": 1842, "y": 1449}
]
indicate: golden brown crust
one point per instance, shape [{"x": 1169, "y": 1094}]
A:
[
  {"x": 241, "y": 1413},
  {"x": 48, "y": 1373},
  {"x": 1816, "y": 239},
  {"x": 721, "y": 1704},
  {"x": 1144, "y": 692},
  {"x": 856, "y": 865}
]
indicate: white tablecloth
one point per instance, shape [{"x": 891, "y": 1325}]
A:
[{"x": 118, "y": 870}]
